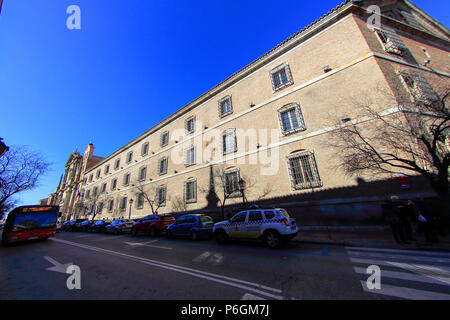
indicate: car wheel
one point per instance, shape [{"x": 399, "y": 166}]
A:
[
  {"x": 273, "y": 239},
  {"x": 221, "y": 236},
  {"x": 152, "y": 232},
  {"x": 194, "y": 235}
]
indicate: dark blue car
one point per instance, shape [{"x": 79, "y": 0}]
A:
[{"x": 194, "y": 226}]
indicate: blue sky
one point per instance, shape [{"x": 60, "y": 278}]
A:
[{"x": 132, "y": 64}]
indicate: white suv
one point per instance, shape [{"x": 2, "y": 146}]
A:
[{"x": 271, "y": 225}]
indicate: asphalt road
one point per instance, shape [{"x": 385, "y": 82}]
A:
[{"x": 127, "y": 267}]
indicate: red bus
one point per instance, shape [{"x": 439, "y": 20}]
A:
[{"x": 30, "y": 223}]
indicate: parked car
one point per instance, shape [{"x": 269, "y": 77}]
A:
[
  {"x": 119, "y": 226},
  {"x": 77, "y": 225},
  {"x": 99, "y": 226},
  {"x": 86, "y": 225},
  {"x": 74, "y": 224},
  {"x": 194, "y": 226},
  {"x": 274, "y": 226},
  {"x": 152, "y": 224},
  {"x": 58, "y": 226}
]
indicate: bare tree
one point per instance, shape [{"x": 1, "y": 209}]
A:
[
  {"x": 178, "y": 204},
  {"x": 96, "y": 203},
  {"x": 150, "y": 194},
  {"x": 400, "y": 134},
  {"x": 20, "y": 170}
]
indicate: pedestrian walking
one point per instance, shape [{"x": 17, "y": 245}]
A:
[
  {"x": 427, "y": 221},
  {"x": 390, "y": 213}
]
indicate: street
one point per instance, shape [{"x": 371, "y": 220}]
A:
[{"x": 126, "y": 267}]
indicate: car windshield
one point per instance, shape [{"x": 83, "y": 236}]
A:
[
  {"x": 205, "y": 219},
  {"x": 166, "y": 218}
]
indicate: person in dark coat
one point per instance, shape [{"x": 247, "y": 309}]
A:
[
  {"x": 427, "y": 221},
  {"x": 390, "y": 212}
]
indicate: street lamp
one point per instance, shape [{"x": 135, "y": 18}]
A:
[
  {"x": 131, "y": 202},
  {"x": 3, "y": 147},
  {"x": 242, "y": 185}
]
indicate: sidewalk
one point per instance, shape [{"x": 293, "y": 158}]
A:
[{"x": 381, "y": 238}]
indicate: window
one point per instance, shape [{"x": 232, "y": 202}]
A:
[
  {"x": 240, "y": 217},
  {"x": 123, "y": 203},
  {"x": 164, "y": 139},
  {"x": 117, "y": 164},
  {"x": 232, "y": 182},
  {"x": 269, "y": 215},
  {"x": 390, "y": 40},
  {"x": 144, "y": 149},
  {"x": 189, "y": 124},
  {"x": 129, "y": 156},
  {"x": 126, "y": 179},
  {"x": 94, "y": 192},
  {"x": 110, "y": 205},
  {"x": 281, "y": 77},
  {"x": 162, "y": 166},
  {"x": 303, "y": 170},
  {"x": 139, "y": 200},
  {"x": 106, "y": 171},
  {"x": 97, "y": 175},
  {"x": 88, "y": 194},
  {"x": 100, "y": 207},
  {"x": 225, "y": 106},
  {"x": 255, "y": 216},
  {"x": 114, "y": 184},
  {"x": 91, "y": 177},
  {"x": 104, "y": 188},
  {"x": 190, "y": 191},
  {"x": 229, "y": 143},
  {"x": 291, "y": 119},
  {"x": 161, "y": 198},
  {"x": 418, "y": 86},
  {"x": 142, "y": 173},
  {"x": 189, "y": 156}
]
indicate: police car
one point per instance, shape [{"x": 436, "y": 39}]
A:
[{"x": 274, "y": 226}]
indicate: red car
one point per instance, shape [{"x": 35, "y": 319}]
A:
[{"x": 152, "y": 224}]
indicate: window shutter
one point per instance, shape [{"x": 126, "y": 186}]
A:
[
  {"x": 411, "y": 20},
  {"x": 394, "y": 39}
]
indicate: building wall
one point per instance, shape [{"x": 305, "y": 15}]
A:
[{"x": 357, "y": 61}]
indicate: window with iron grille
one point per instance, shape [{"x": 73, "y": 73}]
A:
[
  {"x": 291, "y": 119},
  {"x": 162, "y": 166},
  {"x": 110, "y": 205},
  {"x": 100, "y": 207},
  {"x": 106, "y": 171},
  {"x": 126, "y": 179},
  {"x": 114, "y": 184},
  {"x": 225, "y": 106},
  {"x": 189, "y": 124},
  {"x": 232, "y": 182},
  {"x": 161, "y": 199},
  {"x": 189, "y": 156},
  {"x": 229, "y": 142},
  {"x": 281, "y": 77},
  {"x": 142, "y": 173},
  {"x": 190, "y": 191},
  {"x": 418, "y": 86},
  {"x": 94, "y": 192},
  {"x": 97, "y": 175},
  {"x": 117, "y": 164},
  {"x": 104, "y": 188},
  {"x": 144, "y": 149},
  {"x": 123, "y": 203},
  {"x": 303, "y": 170},
  {"x": 88, "y": 194},
  {"x": 139, "y": 200},
  {"x": 390, "y": 40},
  {"x": 164, "y": 138},
  {"x": 91, "y": 177}
]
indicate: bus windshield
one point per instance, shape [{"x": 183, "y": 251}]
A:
[{"x": 34, "y": 220}]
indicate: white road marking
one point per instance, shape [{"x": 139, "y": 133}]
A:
[
  {"x": 249, "y": 296},
  {"x": 202, "y": 257},
  {"x": 406, "y": 293},
  {"x": 110, "y": 237},
  {"x": 445, "y": 270},
  {"x": 83, "y": 236},
  {"x": 401, "y": 276},
  {"x": 233, "y": 282},
  {"x": 399, "y": 256},
  {"x": 406, "y": 252},
  {"x": 57, "y": 267},
  {"x": 427, "y": 271},
  {"x": 147, "y": 244},
  {"x": 216, "y": 259}
]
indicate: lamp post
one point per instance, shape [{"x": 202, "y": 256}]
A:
[
  {"x": 131, "y": 202},
  {"x": 242, "y": 185}
]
